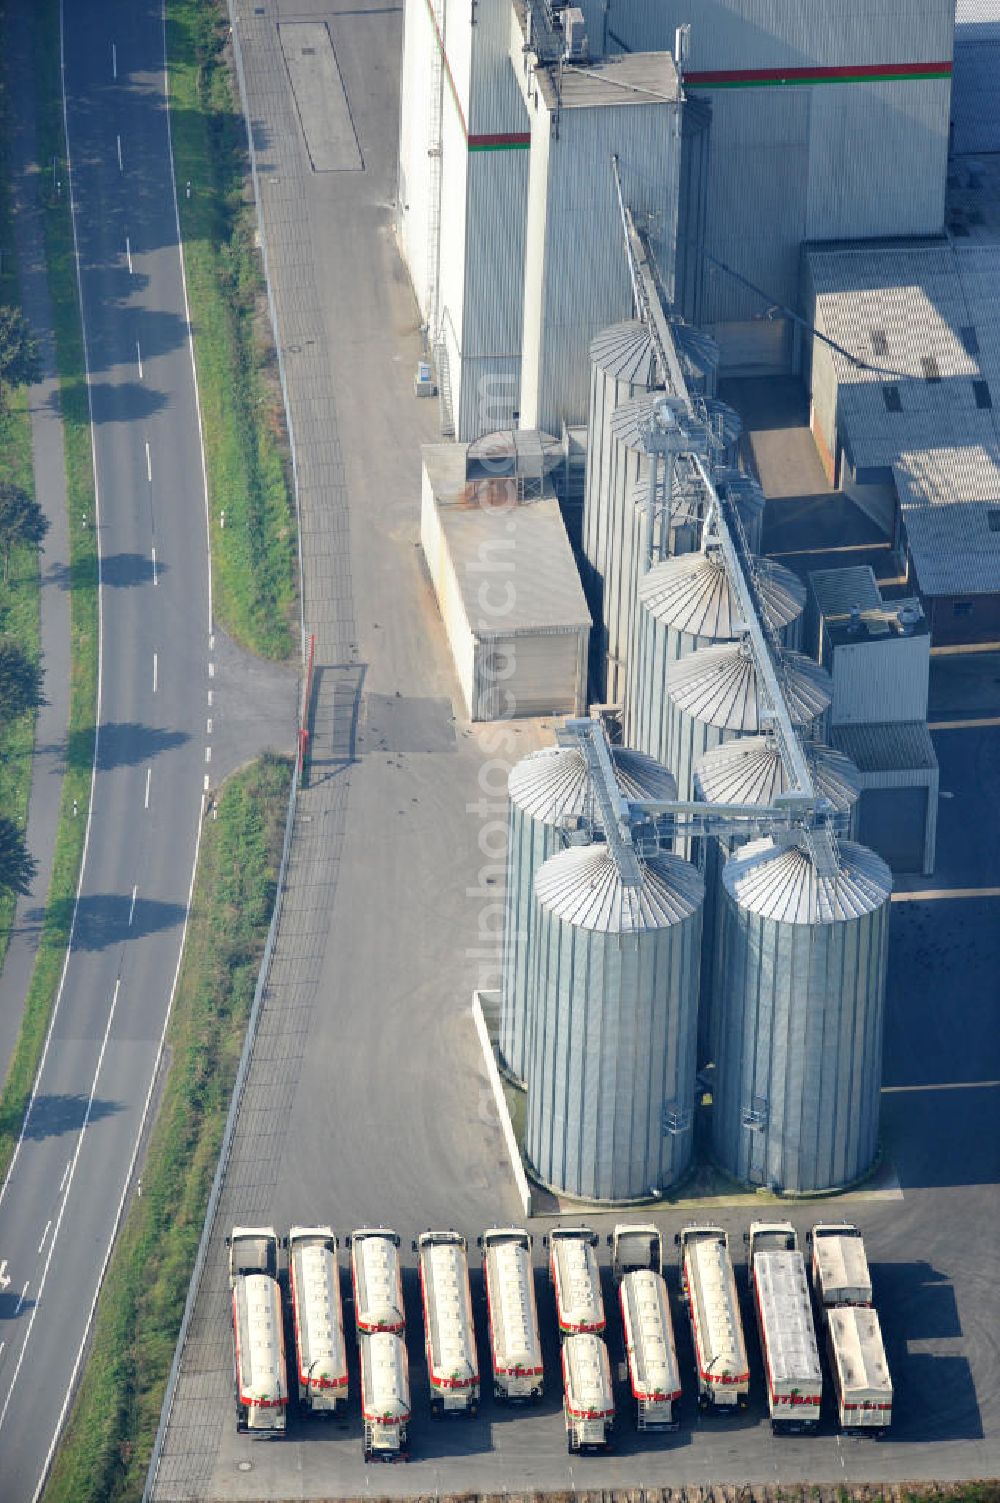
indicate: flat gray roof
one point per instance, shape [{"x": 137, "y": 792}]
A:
[
  {"x": 520, "y": 550},
  {"x": 895, "y": 746},
  {"x": 633, "y": 78},
  {"x": 950, "y": 500},
  {"x": 924, "y": 322}
]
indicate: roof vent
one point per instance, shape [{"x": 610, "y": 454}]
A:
[
  {"x": 909, "y": 615},
  {"x": 891, "y": 398},
  {"x": 854, "y": 621}
]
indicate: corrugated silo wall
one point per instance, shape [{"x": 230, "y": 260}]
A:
[
  {"x": 498, "y": 158},
  {"x": 800, "y": 1027},
  {"x": 610, "y": 532},
  {"x": 613, "y": 1045},
  {"x": 623, "y": 566},
  {"x": 784, "y": 160},
  {"x": 586, "y": 283},
  {"x": 529, "y": 843},
  {"x": 605, "y": 394}
]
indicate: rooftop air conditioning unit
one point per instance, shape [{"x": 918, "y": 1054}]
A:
[{"x": 575, "y": 34}]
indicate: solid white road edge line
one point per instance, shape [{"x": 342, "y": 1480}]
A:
[
  {"x": 100, "y": 629},
  {"x": 62, "y": 1212}
]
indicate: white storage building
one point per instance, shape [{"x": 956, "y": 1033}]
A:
[{"x": 507, "y": 588}]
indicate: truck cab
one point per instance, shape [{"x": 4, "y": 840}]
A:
[{"x": 634, "y": 1247}]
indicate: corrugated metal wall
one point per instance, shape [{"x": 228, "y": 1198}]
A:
[
  {"x": 575, "y": 237},
  {"x": 975, "y": 110},
  {"x": 784, "y": 160},
  {"x": 880, "y": 680}
]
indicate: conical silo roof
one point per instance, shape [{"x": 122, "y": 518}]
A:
[
  {"x": 582, "y": 886},
  {"x": 697, "y": 351},
  {"x": 750, "y": 771},
  {"x": 779, "y": 881},
  {"x": 630, "y": 420},
  {"x": 718, "y": 686},
  {"x": 625, "y": 352},
  {"x": 552, "y": 784},
  {"x": 691, "y": 593}
]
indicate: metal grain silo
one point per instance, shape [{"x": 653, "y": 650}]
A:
[
  {"x": 713, "y": 696},
  {"x": 611, "y": 1065},
  {"x": 751, "y": 771},
  {"x": 623, "y": 537},
  {"x": 800, "y": 986},
  {"x": 747, "y": 498},
  {"x": 698, "y": 354},
  {"x": 549, "y": 794},
  {"x": 623, "y": 365},
  {"x": 686, "y": 603}
]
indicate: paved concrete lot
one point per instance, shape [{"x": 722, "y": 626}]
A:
[{"x": 368, "y": 1100}]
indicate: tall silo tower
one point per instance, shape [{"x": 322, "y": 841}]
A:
[
  {"x": 751, "y": 771},
  {"x": 800, "y": 991},
  {"x": 549, "y": 798},
  {"x": 611, "y": 1063}
]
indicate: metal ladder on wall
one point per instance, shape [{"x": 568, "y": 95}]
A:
[{"x": 435, "y": 333}]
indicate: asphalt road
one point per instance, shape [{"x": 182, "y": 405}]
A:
[
  {"x": 61, "y": 1201},
  {"x": 367, "y": 1100}
]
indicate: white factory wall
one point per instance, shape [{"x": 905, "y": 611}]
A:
[
  {"x": 414, "y": 127},
  {"x": 577, "y": 279},
  {"x": 448, "y": 590},
  {"x": 479, "y": 247}
]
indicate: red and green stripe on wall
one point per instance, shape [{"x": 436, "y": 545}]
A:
[{"x": 764, "y": 78}]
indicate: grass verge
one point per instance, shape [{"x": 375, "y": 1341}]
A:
[
  {"x": 19, "y": 597},
  {"x": 252, "y": 518},
  {"x": 83, "y": 576},
  {"x": 106, "y": 1449}
]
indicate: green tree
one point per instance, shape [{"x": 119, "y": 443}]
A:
[
  {"x": 17, "y": 867},
  {"x": 21, "y": 521},
  {"x": 20, "y": 363},
  {"x": 20, "y": 681}
]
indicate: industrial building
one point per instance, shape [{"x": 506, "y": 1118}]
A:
[
  {"x": 877, "y": 653},
  {"x": 732, "y": 155},
  {"x": 798, "y": 96},
  {"x": 975, "y": 118},
  {"x": 903, "y": 410},
  {"x": 503, "y": 573}
]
